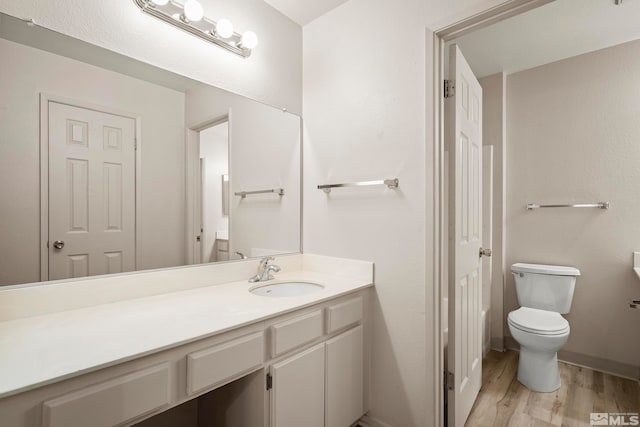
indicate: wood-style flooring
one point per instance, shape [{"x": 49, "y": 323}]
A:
[{"x": 503, "y": 401}]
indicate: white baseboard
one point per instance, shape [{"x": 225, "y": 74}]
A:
[
  {"x": 606, "y": 366},
  {"x": 497, "y": 344}
]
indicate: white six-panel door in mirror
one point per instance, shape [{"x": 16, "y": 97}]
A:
[
  {"x": 91, "y": 192},
  {"x": 97, "y": 215},
  {"x": 465, "y": 275}
]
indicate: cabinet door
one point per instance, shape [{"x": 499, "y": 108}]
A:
[
  {"x": 297, "y": 396},
  {"x": 345, "y": 378}
]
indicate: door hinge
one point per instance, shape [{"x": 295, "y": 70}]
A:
[
  {"x": 449, "y": 88},
  {"x": 449, "y": 380},
  {"x": 269, "y": 382},
  {"x": 135, "y": 144}
]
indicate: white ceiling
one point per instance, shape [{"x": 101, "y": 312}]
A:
[
  {"x": 558, "y": 30},
  {"x": 304, "y": 11}
]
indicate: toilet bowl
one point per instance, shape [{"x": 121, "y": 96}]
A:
[
  {"x": 540, "y": 334},
  {"x": 544, "y": 293}
]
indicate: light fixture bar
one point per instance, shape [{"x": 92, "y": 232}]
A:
[{"x": 173, "y": 13}]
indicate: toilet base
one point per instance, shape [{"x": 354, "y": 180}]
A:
[{"x": 538, "y": 370}]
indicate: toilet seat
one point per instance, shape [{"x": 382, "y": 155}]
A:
[{"x": 539, "y": 322}]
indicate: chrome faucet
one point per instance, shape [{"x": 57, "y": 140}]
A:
[{"x": 264, "y": 270}]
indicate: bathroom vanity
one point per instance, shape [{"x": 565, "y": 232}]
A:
[
  {"x": 102, "y": 342},
  {"x": 104, "y": 358}
]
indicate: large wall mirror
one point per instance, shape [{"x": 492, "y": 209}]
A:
[{"x": 110, "y": 165}]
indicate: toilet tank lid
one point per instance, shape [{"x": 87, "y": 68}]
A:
[{"x": 555, "y": 270}]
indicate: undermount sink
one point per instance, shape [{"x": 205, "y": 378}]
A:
[{"x": 286, "y": 289}]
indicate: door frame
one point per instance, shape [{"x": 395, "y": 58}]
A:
[
  {"x": 45, "y": 98},
  {"x": 192, "y": 139},
  {"x": 442, "y": 35}
]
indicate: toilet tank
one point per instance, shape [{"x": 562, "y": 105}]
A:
[{"x": 545, "y": 287}]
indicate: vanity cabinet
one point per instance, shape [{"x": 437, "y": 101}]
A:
[
  {"x": 295, "y": 332},
  {"x": 297, "y": 389},
  {"x": 322, "y": 386},
  {"x": 220, "y": 364},
  {"x": 345, "y": 378},
  {"x": 131, "y": 395},
  {"x": 302, "y": 368}
]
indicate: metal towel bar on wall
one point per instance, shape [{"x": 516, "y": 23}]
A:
[
  {"x": 244, "y": 194},
  {"x": 599, "y": 205},
  {"x": 391, "y": 183}
]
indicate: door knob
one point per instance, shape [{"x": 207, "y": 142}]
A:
[
  {"x": 485, "y": 252},
  {"x": 58, "y": 244}
]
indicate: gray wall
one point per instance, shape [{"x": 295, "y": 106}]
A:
[{"x": 573, "y": 136}]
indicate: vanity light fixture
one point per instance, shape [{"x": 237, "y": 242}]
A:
[{"x": 190, "y": 17}]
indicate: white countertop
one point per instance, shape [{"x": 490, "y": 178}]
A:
[{"x": 40, "y": 350}]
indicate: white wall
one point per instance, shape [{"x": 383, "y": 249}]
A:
[
  {"x": 368, "y": 115},
  {"x": 214, "y": 149},
  {"x": 272, "y": 74},
  {"x": 264, "y": 145},
  {"x": 494, "y": 134},
  {"x": 573, "y": 136},
  {"x": 24, "y": 74},
  {"x": 265, "y": 154}
]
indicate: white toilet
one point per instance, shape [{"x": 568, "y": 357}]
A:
[{"x": 544, "y": 293}]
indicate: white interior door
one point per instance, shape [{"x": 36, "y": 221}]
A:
[
  {"x": 464, "y": 116},
  {"x": 91, "y": 192}
]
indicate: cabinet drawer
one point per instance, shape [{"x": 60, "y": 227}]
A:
[
  {"x": 112, "y": 402},
  {"x": 295, "y": 332},
  {"x": 221, "y": 364},
  {"x": 345, "y": 314}
]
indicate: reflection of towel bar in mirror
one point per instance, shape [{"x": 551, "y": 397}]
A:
[
  {"x": 244, "y": 194},
  {"x": 599, "y": 205},
  {"x": 391, "y": 183}
]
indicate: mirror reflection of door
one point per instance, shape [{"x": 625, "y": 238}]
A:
[
  {"x": 91, "y": 192},
  {"x": 213, "y": 212},
  {"x": 165, "y": 112}
]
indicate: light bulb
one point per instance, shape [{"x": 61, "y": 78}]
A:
[
  {"x": 160, "y": 2},
  {"x": 193, "y": 10},
  {"x": 249, "y": 40},
  {"x": 224, "y": 28}
]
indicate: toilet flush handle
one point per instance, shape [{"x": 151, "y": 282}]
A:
[{"x": 485, "y": 252}]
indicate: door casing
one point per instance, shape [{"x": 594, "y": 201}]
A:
[
  {"x": 45, "y": 98},
  {"x": 193, "y": 177},
  {"x": 441, "y": 35}
]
